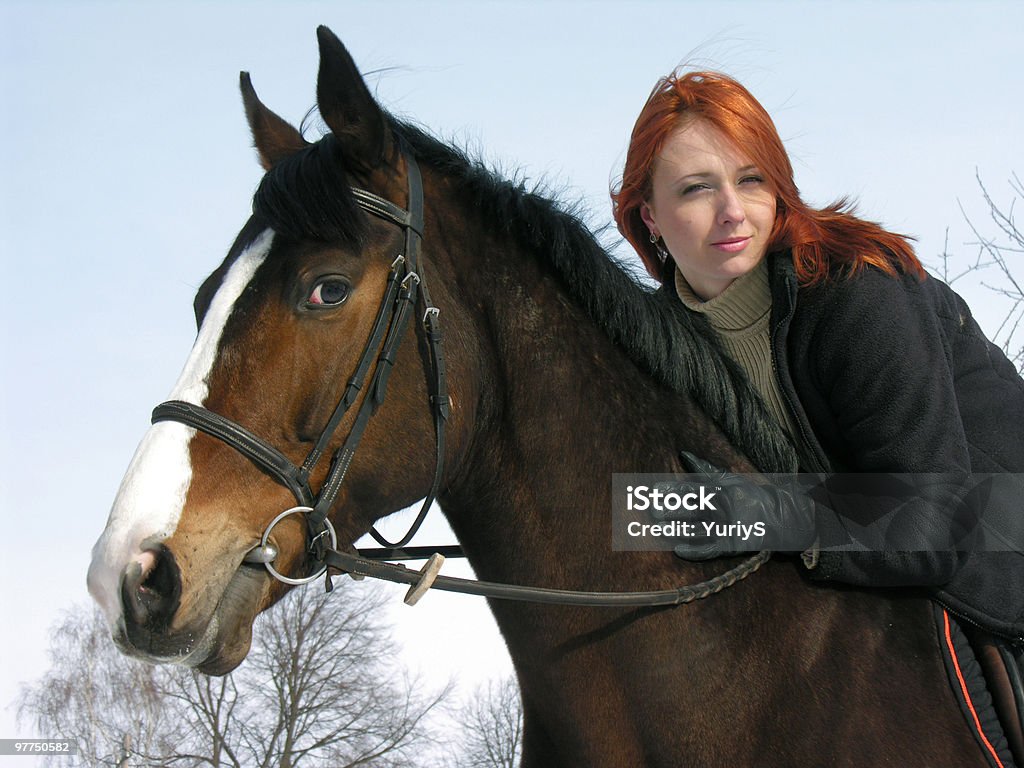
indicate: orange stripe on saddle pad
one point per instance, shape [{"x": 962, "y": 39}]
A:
[{"x": 971, "y": 691}]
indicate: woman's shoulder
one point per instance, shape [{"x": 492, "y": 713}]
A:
[
  {"x": 870, "y": 317},
  {"x": 870, "y": 294}
]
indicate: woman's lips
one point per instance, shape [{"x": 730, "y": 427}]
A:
[{"x": 732, "y": 244}]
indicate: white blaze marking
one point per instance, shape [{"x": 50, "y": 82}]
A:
[{"x": 149, "y": 502}]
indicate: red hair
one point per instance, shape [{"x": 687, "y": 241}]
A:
[{"x": 819, "y": 239}]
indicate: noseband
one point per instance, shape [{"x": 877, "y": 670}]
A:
[{"x": 405, "y": 292}]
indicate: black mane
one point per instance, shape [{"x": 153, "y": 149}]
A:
[{"x": 307, "y": 196}]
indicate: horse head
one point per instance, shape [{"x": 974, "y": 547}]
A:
[{"x": 284, "y": 326}]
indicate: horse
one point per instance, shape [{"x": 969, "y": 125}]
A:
[{"x": 560, "y": 368}]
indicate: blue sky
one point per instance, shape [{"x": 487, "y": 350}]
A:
[{"x": 127, "y": 170}]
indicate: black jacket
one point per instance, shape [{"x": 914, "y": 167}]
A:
[{"x": 893, "y": 375}]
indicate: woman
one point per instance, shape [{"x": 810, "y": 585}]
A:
[{"x": 869, "y": 364}]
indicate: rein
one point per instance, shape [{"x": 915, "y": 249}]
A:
[
  {"x": 405, "y": 291},
  {"x": 427, "y": 578}
]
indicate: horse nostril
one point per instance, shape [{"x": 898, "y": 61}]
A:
[{"x": 151, "y": 589}]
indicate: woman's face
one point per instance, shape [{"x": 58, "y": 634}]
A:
[{"x": 712, "y": 207}]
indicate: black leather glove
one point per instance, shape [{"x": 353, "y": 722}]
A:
[{"x": 746, "y": 517}]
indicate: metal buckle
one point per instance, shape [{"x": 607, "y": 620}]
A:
[{"x": 263, "y": 547}]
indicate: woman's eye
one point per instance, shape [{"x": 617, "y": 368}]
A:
[
  {"x": 694, "y": 188},
  {"x": 752, "y": 180},
  {"x": 329, "y": 292}
]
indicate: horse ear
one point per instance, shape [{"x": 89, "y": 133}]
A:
[
  {"x": 346, "y": 105},
  {"x": 275, "y": 138}
]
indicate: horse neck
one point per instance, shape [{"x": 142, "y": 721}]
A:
[{"x": 558, "y": 408}]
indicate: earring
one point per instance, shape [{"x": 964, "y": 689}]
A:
[{"x": 659, "y": 247}]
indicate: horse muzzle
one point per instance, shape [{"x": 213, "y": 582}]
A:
[{"x": 154, "y": 618}]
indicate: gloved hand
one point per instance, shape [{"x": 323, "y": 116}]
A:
[{"x": 746, "y": 517}]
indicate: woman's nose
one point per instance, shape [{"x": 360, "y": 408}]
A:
[{"x": 730, "y": 209}]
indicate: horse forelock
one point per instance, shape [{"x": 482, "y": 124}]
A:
[{"x": 308, "y": 196}]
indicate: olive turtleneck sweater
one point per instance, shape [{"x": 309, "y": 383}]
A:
[{"x": 740, "y": 315}]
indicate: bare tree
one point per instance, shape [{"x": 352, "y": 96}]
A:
[
  {"x": 324, "y": 692},
  {"x": 97, "y": 697},
  {"x": 1002, "y": 252},
  {"x": 317, "y": 689},
  {"x": 492, "y": 727},
  {"x": 207, "y": 707}
]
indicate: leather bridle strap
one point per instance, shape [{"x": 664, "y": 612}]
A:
[
  {"x": 374, "y": 397},
  {"x": 358, "y": 378}
]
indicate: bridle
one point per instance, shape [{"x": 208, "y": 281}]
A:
[{"x": 405, "y": 292}]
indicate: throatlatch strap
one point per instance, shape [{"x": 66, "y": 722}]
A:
[{"x": 437, "y": 385}]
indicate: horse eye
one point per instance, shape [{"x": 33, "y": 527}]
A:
[{"x": 329, "y": 292}]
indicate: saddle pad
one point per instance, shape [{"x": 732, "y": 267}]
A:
[{"x": 970, "y": 690}]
